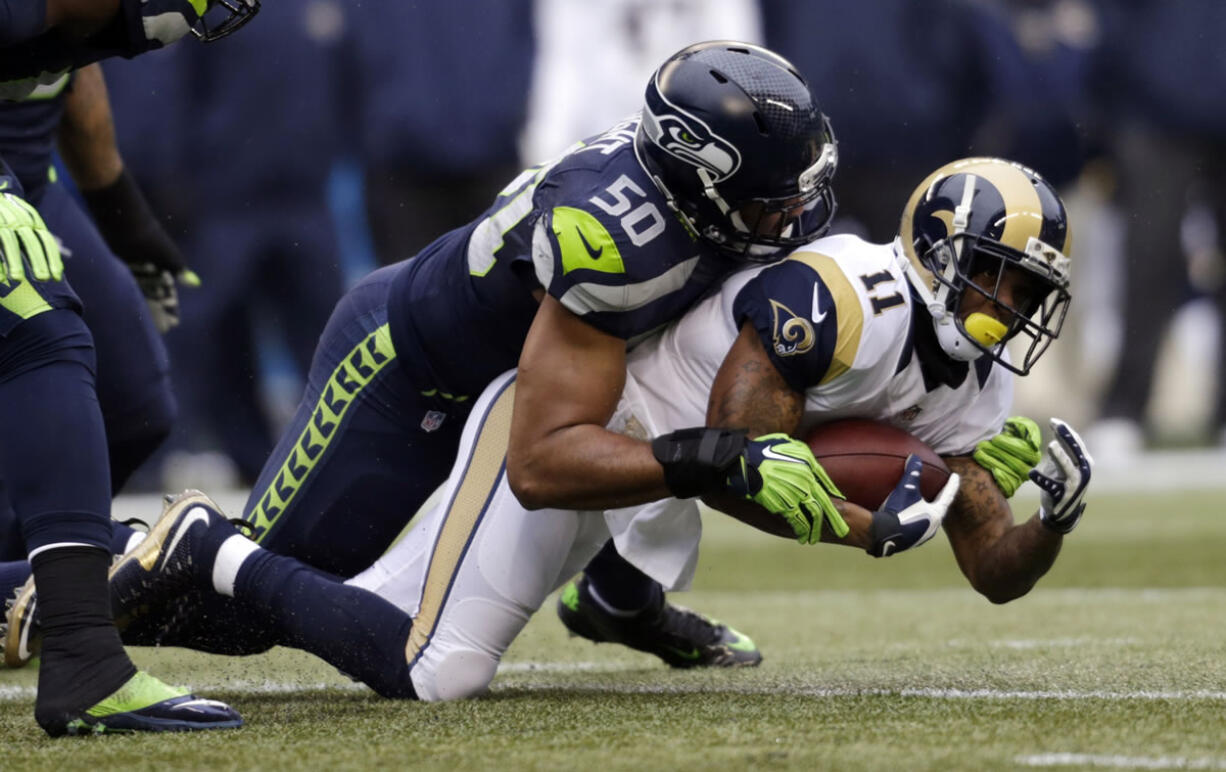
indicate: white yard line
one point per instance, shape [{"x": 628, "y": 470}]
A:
[
  {"x": 11, "y": 693},
  {"x": 934, "y": 693},
  {"x": 1118, "y": 762}
]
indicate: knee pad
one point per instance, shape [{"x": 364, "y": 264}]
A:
[{"x": 459, "y": 674}]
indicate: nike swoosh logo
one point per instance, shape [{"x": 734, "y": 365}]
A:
[
  {"x": 691, "y": 654},
  {"x": 771, "y": 453},
  {"x": 197, "y": 514},
  {"x": 592, "y": 253},
  {"x": 4, "y": 184},
  {"x": 887, "y": 548},
  {"x": 817, "y": 314},
  {"x": 197, "y": 704}
]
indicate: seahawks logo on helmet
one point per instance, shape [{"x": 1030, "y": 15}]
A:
[{"x": 687, "y": 138}]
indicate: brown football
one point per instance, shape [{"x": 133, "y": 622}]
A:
[{"x": 865, "y": 459}]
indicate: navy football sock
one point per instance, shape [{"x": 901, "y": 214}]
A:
[
  {"x": 354, "y": 630},
  {"x": 619, "y": 584}
]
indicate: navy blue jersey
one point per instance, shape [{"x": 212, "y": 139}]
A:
[
  {"x": 140, "y": 25},
  {"x": 27, "y": 135},
  {"x": 589, "y": 228}
]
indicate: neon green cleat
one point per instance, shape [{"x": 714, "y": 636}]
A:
[
  {"x": 680, "y": 637},
  {"x": 145, "y": 704}
]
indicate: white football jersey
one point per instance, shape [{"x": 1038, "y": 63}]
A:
[{"x": 836, "y": 319}]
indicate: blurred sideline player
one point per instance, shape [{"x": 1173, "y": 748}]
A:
[
  {"x": 912, "y": 332},
  {"x": 53, "y": 462},
  {"x": 729, "y": 164}
]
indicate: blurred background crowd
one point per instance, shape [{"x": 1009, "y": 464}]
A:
[{"x": 331, "y": 136}]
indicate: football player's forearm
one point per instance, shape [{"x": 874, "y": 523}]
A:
[
  {"x": 1001, "y": 559},
  {"x": 87, "y": 132},
  {"x": 858, "y": 519},
  {"x": 1016, "y": 562},
  {"x": 585, "y": 467}
]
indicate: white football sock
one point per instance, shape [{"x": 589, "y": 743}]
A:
[{"x": 230, "y": 557}]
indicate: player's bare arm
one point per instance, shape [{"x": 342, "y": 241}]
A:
[
  {"x": 560, "y": 453},
  {"x": 1002, "y": 559},
  {"x": 749, "y": 393},
  {"x": 87, "y": 132}
]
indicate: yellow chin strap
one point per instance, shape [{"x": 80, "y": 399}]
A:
[{"x": 987, "y": 330}]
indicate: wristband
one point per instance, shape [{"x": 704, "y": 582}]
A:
[
  {"x": 129, "y": 227},
  {"x": 695, "y": 460}
]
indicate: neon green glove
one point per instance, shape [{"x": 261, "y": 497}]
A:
[
  {"x": 780, "y": 474},
  {"x": 1010, "y": 455},
  {"x": 23, "y": 233}
]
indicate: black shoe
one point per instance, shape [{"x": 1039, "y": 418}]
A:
[{"x": 680, "y": 637}]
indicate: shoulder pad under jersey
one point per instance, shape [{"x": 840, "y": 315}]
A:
[
  {"x": 607, "y": 246},
  {"x": 817, "y": 312}
]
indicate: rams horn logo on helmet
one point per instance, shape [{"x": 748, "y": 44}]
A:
[{"x": 687, "y": 138}]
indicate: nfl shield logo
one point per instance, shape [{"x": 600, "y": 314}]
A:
[{"x": 433, "y": 420}]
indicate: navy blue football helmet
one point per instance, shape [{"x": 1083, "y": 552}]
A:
[
  {"x": 221, "y": 17},
  {"x": 964, "y": 229},
  {"x": 734, "y": 140}
]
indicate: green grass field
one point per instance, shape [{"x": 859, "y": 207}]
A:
[{"x": 1117, "y": 660}]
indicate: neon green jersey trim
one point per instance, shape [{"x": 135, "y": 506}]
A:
[
  {"x": 23, "y": 300},
  {"x": 585, "y": 243},
  {"x": 354, "y": 373}
]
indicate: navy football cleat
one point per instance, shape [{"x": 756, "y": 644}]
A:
[
  {"x": 151, "y": 585},
  {"x": 19, "y": 629},
  {"x": 145, "y": 704},
  {"x": 174, "y": 558},
  {"x": 680, "y": 637}
]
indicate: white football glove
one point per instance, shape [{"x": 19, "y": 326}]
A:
[
  {"x": 1063, "y": 476},
  {"x": 906, "y": 520}
]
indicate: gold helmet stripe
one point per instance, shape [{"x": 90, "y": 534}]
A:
[{"x": 1023, "y": 208}]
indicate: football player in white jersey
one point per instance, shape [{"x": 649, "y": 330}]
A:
[{"x": 913, "y": 333}]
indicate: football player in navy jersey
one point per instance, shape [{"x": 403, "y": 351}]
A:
[
  {"x": 729, "y": 163},
  {"x": 54, "y": 470}
]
